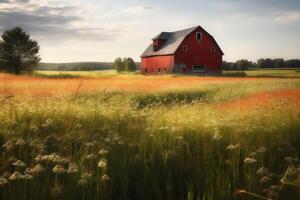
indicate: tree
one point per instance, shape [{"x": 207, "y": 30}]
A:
[
  {"x": 18, "y": 53},
  {"x": 279, "y": 63},
  {"x": 243, "y": 64},
  {"x": 130, "y": 66},
  {"x": 119, "y": 65}
]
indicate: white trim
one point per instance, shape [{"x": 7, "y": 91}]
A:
[{"x": 202, "y": 71}]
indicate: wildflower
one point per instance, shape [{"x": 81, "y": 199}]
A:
[
  {"x": 163, "y": 128},
  {"x": 6, "y": 175},
  {"x": 82, "y": 181},
  {"x": 20, "y": 142},
  {"x": 86, "y": 176},
  {"x": 57, "y": 159},
  {"x": 262, "y": 150},
  {"x": 107, "y": 139},
  {"x": 3, "y": 181},
  {"x": 228, "y": 162},
  {"x": 90, "y": 144},
  {"x": 102, "y": 163},
  {"x": 38, "y": 169},
  {"x": 289, "y": 160},
  {"x": 263, "y": 171},
  {"x": 292, "y": 172},
  {"x": 58, "y": 169},
  {"x": 28, "y": 171},
  {"x": 27, "y": 177},
  {"x": 16, "y": 176},
  {"x": 73, "y": 168},
  {"x": 116, "y": 138},
  {"x": 265, "y": 179},
  {"x": 217, "y": 137},
  {"x": 249, "y": 161},
  {"x": 19, "y": 163},
  {"x": 121, "y": 142},
  {"x": 39, "y": 158},
  {"x": 90, "y": 157},
  {"x": 103, "y": 151},
  {"x": 232, "y": 147},
  {"x": 105, "y": 178},
  {"x": 9, "y": 145}
]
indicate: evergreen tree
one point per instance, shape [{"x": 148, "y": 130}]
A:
[{"x": 18, "y": 53}]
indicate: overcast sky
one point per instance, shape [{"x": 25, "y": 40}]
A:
[{"x": 101, "y": 30}]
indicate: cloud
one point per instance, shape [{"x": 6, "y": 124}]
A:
[
  {"x": 288, "y": 17},
  {"x": 139, "y": 9},
  {"x": 52, "y": 20}
]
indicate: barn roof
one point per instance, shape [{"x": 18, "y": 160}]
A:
[{"x": 173, "y": 41}]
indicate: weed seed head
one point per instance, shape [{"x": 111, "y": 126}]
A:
[
  {"x": 250, "y": 161},
  {"x": 263, "y": 171},
  {"x": 102, "y": 163},
  {"x": 103, "y": 151},
  {"x": 58, "y": 169}
]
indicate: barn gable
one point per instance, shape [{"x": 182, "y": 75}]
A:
[{"x": 172, "y": 43}]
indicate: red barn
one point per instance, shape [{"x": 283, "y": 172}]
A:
[{"x": 191, "y": 50}]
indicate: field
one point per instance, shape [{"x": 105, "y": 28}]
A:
[{"x": 92, "y": 135}]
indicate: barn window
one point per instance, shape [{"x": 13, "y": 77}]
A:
[
  {"x": 146, "y": 70},
  {"x": 213, "y": 49},
  {"x": 158, "y": 69},
  {"x": 185, "y": 48},
  {"x": 198, "y": 36},
  {"x": 198, "y": 68}
]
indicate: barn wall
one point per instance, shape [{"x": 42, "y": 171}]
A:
[
  {"x": 199, "y": 53},
  {"x": 153, "y": 64}
]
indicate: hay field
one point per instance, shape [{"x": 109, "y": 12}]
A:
[{"x": 149, "y": 137}]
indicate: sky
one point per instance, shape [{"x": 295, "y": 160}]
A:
[{"x": 101, "y": 30}]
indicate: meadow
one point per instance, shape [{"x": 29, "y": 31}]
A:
[{"x": 92, "y": 135}]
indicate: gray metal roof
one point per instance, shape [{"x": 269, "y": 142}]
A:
[{"x": 173, "y": 41}]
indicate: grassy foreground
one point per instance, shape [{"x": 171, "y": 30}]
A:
[{"x": 218, "y": 140}]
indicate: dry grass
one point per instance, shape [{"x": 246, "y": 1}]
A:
[{"x": 35, "y": 86}]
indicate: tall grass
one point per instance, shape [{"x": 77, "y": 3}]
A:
[{"x": 172, "y": 144}]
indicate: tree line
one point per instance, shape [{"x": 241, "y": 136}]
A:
[
  {"x": 245, "y": 64},
  {"x": 20, "y": 54},
  {"x": 125, "y": 64}
]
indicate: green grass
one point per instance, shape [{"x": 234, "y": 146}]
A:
[{"x": 171, "y": 144}]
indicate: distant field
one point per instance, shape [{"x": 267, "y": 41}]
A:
[
  {"x": 267, "y": 73},
  {"x": 102, "y": 135},
  {"x": 75, "y": 66},
  {"x": 288, "y": 73},
  {"x": 70, "y": 74}
]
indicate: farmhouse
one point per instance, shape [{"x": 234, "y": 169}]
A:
[{"x": 191, "y": 50}]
